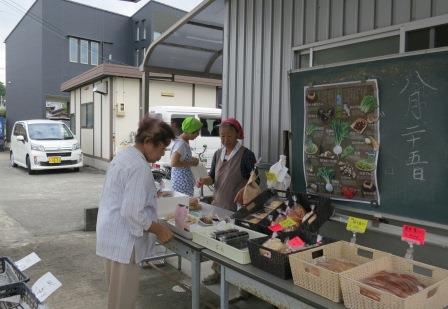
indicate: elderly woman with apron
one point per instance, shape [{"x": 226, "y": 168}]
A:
[
  {"x": 182, "y": 179},
  {"x": 230, "y": 171}
]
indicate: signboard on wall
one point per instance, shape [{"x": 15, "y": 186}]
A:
[{"x": 341, "y": 140}]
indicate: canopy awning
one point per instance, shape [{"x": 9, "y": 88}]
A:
[{"x": 193, "y": 46}]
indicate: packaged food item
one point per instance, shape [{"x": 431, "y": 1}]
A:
[
  {"x": 251, "y": 190},
  {"x": 335, "y": 265},
  {"x": 401, "y": 285},
  {"x": 194, "y": 204}
]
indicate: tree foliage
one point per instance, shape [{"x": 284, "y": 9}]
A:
[{"x": 2, "y": 90}]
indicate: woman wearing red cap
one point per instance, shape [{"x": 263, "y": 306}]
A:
[
  {"x": 230, "y": 171},
  {"x": 231, "y": 166}
]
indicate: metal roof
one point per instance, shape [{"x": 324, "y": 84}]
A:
[
  {"x": 98, "y": 72},
  {"x": 193, "y": 45}
]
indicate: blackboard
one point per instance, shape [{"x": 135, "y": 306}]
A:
[{"x": 413, "y": 156}]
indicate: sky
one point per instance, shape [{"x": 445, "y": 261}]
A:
[{"x": 11, "y": 11}]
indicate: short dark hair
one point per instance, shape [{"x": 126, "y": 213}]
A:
[{"x": 154, "y": 131}]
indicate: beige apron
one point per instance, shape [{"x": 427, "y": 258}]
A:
[{"x": 228, "y": 180}]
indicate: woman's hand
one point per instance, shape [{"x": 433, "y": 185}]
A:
[
  {"x": 163, "y": 233},
  {"x": 194, "y": 161},
  {"x": 204, "y": 181},
  {"x": 200, "y": 182},
  {"x": 239, "y": 197}
]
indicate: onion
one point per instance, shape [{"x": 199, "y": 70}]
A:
[
  {"x": 337, "y": 150},
  {"x": 329, "y": 187}
]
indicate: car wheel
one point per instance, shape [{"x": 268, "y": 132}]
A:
[
  {"x": 76, "y": 169},
  {"x": 28, "y": 166},
  {"x": 11, "y": 158}
]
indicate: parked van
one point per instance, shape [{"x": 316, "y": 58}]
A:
[
  {"x": 208, "y": 140},
  {"x": 44, "y": 144}
]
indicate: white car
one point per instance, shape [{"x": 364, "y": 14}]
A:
[{"x": 44, "y": 144}]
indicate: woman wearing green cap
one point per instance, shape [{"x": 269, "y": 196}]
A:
[{"x": 182, "y": 179}]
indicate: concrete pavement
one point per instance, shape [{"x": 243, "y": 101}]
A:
[{"x": 44, "y": 213}]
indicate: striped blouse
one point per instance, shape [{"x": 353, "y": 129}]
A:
[{"x": 128, "y": 206}]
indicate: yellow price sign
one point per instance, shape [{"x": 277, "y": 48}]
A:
[
  {"x": 357, "y": 225},
  {"x": 288, "y": 222}
]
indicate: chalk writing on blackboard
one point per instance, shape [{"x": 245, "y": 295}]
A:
[{"x": 414, "y": 89}]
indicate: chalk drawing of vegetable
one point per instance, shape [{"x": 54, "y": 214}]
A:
[{"x": 327, "y": 174}]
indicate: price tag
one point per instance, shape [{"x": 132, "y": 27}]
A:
[
  {"x": 27, "y": 261},
  {"x": 357, "y": 225},
  {"x": 45, "y": 286},
  {"x": 296, "y": 242},
  {"x": 288, "y": 222},
  {"x": 275, "y": 228},
  {"x": 413, "y": 234}
]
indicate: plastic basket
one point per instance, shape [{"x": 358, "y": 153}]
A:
[
  {"x": 277, "y": 263},
  {"x": 323, "y": 281},
  {"x": 322, "y": 207},
  {"x": 22, "y": 295},
  {"x": 359, "y": 295},
  {"x": 9, "y": 273},
  {"x": 203, "y": 237}
]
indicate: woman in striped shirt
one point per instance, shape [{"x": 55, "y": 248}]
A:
[{"x": 128, "y": 212}]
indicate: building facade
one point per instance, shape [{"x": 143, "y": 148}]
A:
[
  {"x": 59, "y": 39},
  {"x": 266, "y": 39}
]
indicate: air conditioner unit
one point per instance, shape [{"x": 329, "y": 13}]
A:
[{"x": 100, "y": 88}]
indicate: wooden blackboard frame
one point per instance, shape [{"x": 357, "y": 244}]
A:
[{"x": 391, "y": 73}]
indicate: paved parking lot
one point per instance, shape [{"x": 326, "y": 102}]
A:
[{"x": 44, "y": 213}]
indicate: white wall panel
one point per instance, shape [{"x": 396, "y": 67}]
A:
[
  {"x": 366, "y": 15},
  {"x": 401, "y": 11},
  {"x": 351, "y": 11},
  {"x": 97, "y": 125},
  {"x": 87, "y": 141},
  {"x": 182, "y": 93},
  {"x": 383, "y": 13},
  {"x": 310, "y": 19},
  {"x": 337, "y": 18},
  {"x": 105, "y": 123},
  {"x": 254, "y": 140},
  {"x": 247, "y": 117},
  {"x": 323, "y": 19},
  {"x": 240, "y": 60},
  {"x": 205, "y": 96}
]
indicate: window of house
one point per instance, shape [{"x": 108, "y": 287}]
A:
[
  {"x": 84, "y": 52},
  {"x": 87, "y": 116},
  {"x": 362, "y": 50},
  {"x": 73, "y": 49},
  {"x": 144, "y": 29},
  {"x": 431, "y": 37},
  {"x": 137, "y": 57},
  {"x": 137, "y": 31},
  {"x": 418, "y": 35},
  {"x": 94, "y": 53},
  {"x": 73, "y": 123}
]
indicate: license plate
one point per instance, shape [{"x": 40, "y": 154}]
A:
[{"x": 54, "y": 160}]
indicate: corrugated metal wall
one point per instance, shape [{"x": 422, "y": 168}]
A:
[{"x": 259, "y": 35}]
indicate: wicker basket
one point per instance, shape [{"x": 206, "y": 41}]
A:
[
  {"x": 360, "y": 295},
  {"x": 320, "y": 280}
]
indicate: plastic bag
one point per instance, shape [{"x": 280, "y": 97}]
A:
[{"x": 278, "y": 177}]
